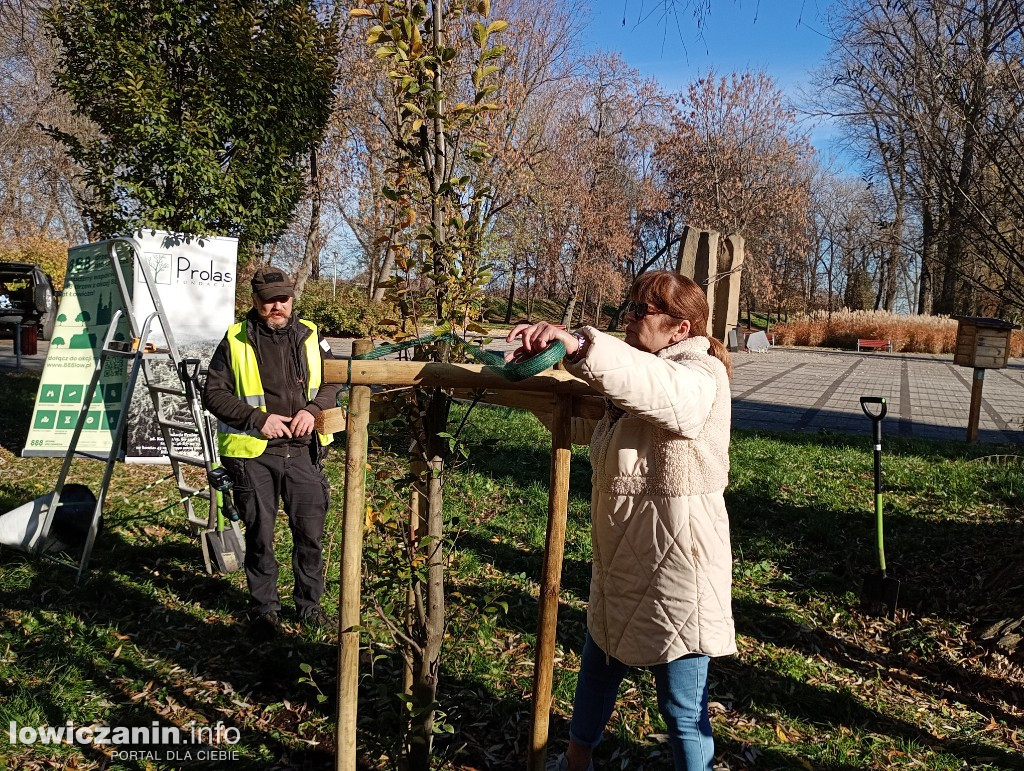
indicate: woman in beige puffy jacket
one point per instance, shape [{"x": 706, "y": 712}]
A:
[{"x": 660, "y": 592}]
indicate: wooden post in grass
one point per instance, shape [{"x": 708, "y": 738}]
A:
[
  {"x": 351, "y": 569},
  {"x": 558, "y": 509}
]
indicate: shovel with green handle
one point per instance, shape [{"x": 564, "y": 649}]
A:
[{"x": 880, "y": 589}]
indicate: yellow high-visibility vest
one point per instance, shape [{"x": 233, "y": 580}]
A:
[{"x": 234, "y": 442}]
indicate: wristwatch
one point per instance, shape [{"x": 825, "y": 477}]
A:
[{"x": 581, "y": 349}]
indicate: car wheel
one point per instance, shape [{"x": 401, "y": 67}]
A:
[{"x": 47, "y": 324}]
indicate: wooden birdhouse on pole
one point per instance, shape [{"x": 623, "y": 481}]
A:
[{"x": 981, "y": 343}]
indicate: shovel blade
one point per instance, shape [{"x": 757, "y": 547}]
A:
[
  {"x": 226, "y": 548},
  {"x": 881, "y": 590}
]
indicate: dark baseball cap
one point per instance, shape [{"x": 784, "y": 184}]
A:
[{"x": 269, "y": 282}]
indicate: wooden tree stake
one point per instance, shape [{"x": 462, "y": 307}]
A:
[
  {"x": 558, "y": 509},
  {"x": 974, "y": 416},
  {"x": 351, "y": 569}
]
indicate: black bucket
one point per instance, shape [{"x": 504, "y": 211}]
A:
[{"x": 73, "y": 515}]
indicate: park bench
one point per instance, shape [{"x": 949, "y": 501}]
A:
[{"x": 863, "y": 344}]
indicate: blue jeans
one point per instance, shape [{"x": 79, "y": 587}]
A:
[{"x": 682, "y": 698}]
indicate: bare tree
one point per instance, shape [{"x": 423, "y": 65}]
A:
[
  {"x": 37, "y": 181},
  {"x": 931, "y": 90}
]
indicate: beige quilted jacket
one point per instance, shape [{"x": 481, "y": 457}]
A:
[{"x": 662, "y": 572}]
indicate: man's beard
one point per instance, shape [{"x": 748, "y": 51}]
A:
[{"x": 276, "y": 322}]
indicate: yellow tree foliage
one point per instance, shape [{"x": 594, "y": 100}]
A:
[{"x": 49, "y": 253}]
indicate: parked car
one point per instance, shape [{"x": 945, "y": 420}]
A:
[{"x": 26, "y": 290}]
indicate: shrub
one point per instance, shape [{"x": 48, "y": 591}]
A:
[
  {"x": 50, "y": 254},
  {"x": 348, "y": 313}
]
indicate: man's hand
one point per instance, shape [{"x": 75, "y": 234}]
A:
[
  {"x": 302, "y": 423},
  {"x": 276, "y": 427}
]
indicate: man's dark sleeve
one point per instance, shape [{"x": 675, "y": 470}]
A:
[
  {"x": 327, "y": 395},
  {"x": 219, "y": 394}
]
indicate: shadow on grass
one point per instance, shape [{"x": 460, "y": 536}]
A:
[
  {"x": 826, "y": 553},
  {"x": 762, "y": 692},
  {"x": 19, "y": 389},
  {"x": 988, "y": 696},
  {"x": 179, "y": 656}
]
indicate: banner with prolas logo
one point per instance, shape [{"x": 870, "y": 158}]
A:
[{"x": 195, "y": 279}]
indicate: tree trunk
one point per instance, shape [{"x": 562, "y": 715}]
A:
[
  {"x": 924, "y": 289},
  {"x": 583, "y": 310},
  {"x": 427, "y": 660},
  {"x": 570, "y": 306},
  {"x": 530, "y": 291},
  {"x": 895, "y": 241},
  {"x": 438, "y": 172},
  {"x": 511, "y": 297},
  {"x": 314, "y": 239},
  {"x": 386, "y": 266},
  {"x": 959, "y": 208},
  {"x": 882, "y": 280}
]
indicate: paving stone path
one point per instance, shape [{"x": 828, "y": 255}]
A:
[
  {"x": 797, "y": 389},
  {"x": 928, "y": 396}
]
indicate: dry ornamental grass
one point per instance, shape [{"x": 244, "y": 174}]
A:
[{"x": 909, "y": 334}]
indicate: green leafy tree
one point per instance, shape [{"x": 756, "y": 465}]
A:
[
  {"x": 440, "y": 60},
  {"x": 205, "y": 110},
  {"x": 860, "y": 290}
]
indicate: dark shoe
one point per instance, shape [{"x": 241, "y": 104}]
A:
[
  {"x": 316, "y": 618},
  {"x": 265, "y": 626}
]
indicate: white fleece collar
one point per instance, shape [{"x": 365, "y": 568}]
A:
[{"x": 689, "y": 345}]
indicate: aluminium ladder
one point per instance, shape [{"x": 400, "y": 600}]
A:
[{"x": 143, "y": 356}]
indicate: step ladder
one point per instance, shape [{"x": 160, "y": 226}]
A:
[{"x": 169, "y": 379}]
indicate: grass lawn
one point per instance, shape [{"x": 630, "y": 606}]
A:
[{"x": 817, "y": 684}]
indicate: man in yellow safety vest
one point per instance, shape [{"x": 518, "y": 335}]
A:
[{"x": 264, "y": 387}]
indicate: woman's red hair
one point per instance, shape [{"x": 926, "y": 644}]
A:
[{"x": 681, "y": 298}]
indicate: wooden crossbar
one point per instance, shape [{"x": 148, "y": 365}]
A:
[{"x": 428, "y": 374}]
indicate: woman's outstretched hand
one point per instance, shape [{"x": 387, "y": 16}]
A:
[{"x": 537, "y": 337}]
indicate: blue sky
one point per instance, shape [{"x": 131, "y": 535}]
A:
[{"x": 784, "y": 38}]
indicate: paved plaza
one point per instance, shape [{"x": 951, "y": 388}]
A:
[
  {"x": 797, "y": 389},
  {"x": 793, "y": 389}
]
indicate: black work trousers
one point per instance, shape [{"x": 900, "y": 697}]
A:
[{"x": 284, "y": 474}]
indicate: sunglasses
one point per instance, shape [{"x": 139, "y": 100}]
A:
[{"x": 638, "y": 310}]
